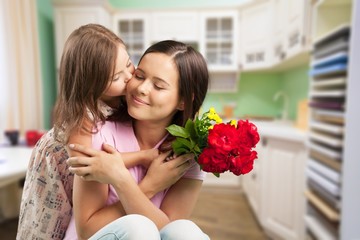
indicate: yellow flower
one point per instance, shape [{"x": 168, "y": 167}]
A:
[
  {"x": 233, "y": 123},
  {"x": 217, "y": 119},
  {"x": 211, "y": 127}
]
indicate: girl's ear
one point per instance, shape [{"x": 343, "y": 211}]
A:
[{"x": 181, "y": 105}]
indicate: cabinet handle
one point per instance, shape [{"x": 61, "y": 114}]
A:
[
  {"x": 253, "y": 176},
  {"x": 264, "y": 142}
]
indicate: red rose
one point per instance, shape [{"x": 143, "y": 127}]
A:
[
  {"x": 248, "y": 133},
  {"x": 211, "y": 161},
  {"x": 223, "y": 137},
  {"x": 243, "y": 163}
]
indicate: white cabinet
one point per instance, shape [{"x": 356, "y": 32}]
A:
[
  {"x": 179, "y": 26},
  {"x": 133, "y": 28},
  {"x": 273, "y": 32},
  {"x": 275, "y": 187},
  {"x": 298, "y": 17},
  {"x": 255, "y": 35},
  {"x": 70, "y": 15},
  {"x": 252, "y": 181},
  {"x": 282, "y": 189},
  {"x": 218, "y": 39}
]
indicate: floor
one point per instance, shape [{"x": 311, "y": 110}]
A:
[
  {"x": 221, "y": 213},
  {"x": 226, "y": 214}
]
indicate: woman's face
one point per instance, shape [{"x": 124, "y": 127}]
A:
[
  {"x": 123, "y": 73},
  {"x": 153, "y": 92}
]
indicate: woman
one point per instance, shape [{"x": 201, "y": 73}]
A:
[
  {"x": 94, "y": 70},
  {"x": 168, "y": 87}
]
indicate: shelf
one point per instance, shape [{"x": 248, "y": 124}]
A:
[
  {"x": 318, "y": 229},
  {"x": 330, "y": 213},
  {"x": 326, "y": 127},
  {"x": 325, "y": 171},
  {"x": 326, "y": 139},
  {"x": 340, "y": 31},
  {"x": 328, "y": 82},
  {"x": 329, "y": 186}
]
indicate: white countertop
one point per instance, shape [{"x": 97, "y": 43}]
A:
[
  {"x": 279, "y": 129},
  {"x": 13, "y": 163}
]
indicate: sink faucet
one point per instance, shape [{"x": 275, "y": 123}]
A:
[{"x": 284, "y": 113}]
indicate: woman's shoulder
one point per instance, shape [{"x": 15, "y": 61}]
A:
[
  {"x": 116, "y": 126},
  {"x": 114, "y": 133}
]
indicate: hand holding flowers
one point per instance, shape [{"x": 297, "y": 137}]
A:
[{"x": 218, "y": 147}]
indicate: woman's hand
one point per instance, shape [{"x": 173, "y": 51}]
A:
[
  {"x": 163, "y": 173},
  {"x": 102, "y": 166}
]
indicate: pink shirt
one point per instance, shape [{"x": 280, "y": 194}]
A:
[{"x": 122, "y": 137}]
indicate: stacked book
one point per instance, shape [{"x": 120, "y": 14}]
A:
[{"x": 327, "y": 96}]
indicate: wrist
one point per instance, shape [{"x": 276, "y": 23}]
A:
[
  {"x": 123, "y": 179},
  {"x": 147, "y": 189}
]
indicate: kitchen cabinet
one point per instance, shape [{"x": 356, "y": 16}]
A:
[
  {"x": 251, "y": 182},
  {"x": 298, "y": 16},
  {"x": 256, "y": 23},
  {"x": 218, "y": 39},
  {"x": 275, "y": 187},
  {"x": 180, "y": 26},
  {"x": 283, "y": 185},
  {"x": 70, "y": 15},
  {"x": 133, "y": 28},
  {"x": 274, "y": 34}
]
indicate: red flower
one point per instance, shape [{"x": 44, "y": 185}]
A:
[
  {"x": 230, "y": 148},
  {"x": 211, "y": 161},
  {"x": 223, "y": 138},
  {"x": 248, "y": 133},
  {"x": 243, "y": 163},
  {"x": 225, "y": 147}
]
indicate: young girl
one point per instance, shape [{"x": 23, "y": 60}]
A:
[
  {"x": 94, "y": 70},
  {"x": 168, "y": 87}
]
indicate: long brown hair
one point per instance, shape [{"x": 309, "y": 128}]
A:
[
  {"x": 193, "y": 78},
  {"x": 87, "y": 65}
]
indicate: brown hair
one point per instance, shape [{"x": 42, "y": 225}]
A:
[
  {"x": 87, "y": 65},
  {"x": 193, "y": 78}
]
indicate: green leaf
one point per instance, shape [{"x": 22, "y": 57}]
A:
[
  {"x": 178, "y": 144},
  {"x": 190, "y": 128},
  {"x": 184, "y": 142},
  {"x": 216, "y": 174},
  {"x": 180, "y": 151},
  {"x": 178, "y": 131}
]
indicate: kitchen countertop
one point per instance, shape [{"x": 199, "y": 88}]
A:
[{"x": 280, "y": 129}]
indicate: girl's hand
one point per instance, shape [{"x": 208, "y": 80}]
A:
[
  {"x": 102, "y": 166},
  {"x": 164, "y": 173},
  {"x": 148, "y": 156}
]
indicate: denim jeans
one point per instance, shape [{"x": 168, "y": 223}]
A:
[{"x": 138, "y": 227}]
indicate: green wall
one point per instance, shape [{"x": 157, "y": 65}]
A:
[
  {"x": 47, "y": 57},
  {"x": 256, "y": 91}
]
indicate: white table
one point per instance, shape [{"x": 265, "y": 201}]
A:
[{"x": 13, "y": 163}]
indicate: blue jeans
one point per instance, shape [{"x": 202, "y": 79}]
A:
[{"x": 138, "y": 227}]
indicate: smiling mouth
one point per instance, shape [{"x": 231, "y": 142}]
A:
[{"x": 139, "y": 101}]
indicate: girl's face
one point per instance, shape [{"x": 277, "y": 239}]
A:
[
  {"x": 123, "y": 73},
  {"x": 153, "y": 92}
]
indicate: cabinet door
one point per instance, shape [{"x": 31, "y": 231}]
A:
[
  {"x": 278, "y": 52},
  {"x": 283, "y": 185},
  {"x": 251, "y": 181},
  {"x": 179, "y": 26},
  {"x": 296, "y": 26},
  {"x": 133, "y": 29},
  {"x": 68, "y": 18},
  {"x": 218, "y": 41},
  {"x": 255, "y": 34}
]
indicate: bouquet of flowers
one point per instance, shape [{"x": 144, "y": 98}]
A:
[{"x": 217, "y": 146}]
